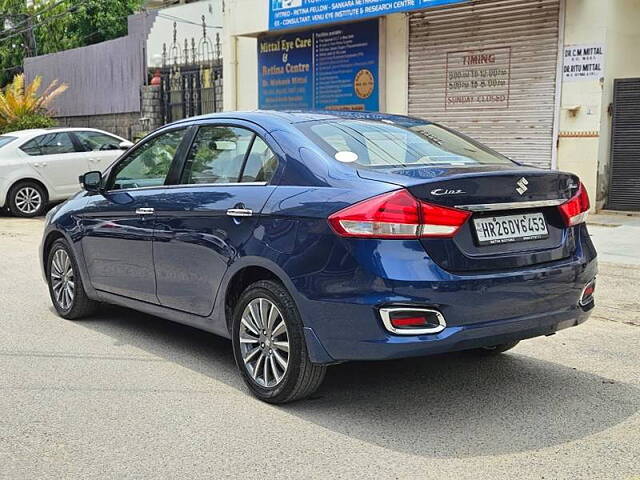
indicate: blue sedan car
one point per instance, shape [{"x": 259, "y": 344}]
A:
[{"x": 310, "y": 239}]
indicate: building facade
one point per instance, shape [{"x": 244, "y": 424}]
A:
[{"x": 550, "y": 83}]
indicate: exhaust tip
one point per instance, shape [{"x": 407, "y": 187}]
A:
[{"x": 412, "y": 320}]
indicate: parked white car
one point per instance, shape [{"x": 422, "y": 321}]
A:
[{"x": 43, "y": 165}]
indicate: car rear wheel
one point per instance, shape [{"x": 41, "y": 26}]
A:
[
  {"x": 494, "y": 350},
  {"x": 269, "y": 346},
  {"x": 27, "y": 199},
  {"x": 65, "y": 285}
]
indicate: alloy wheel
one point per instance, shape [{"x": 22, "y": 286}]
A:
[
  {"x": 264, "y": 342},
  {"x": 28, "y": 200},
  {"x": 62, "y": 279}
]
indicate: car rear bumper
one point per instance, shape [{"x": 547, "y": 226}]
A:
[
  {"x": 484, "y": 309},
  {"x": 454, "y": 338}
]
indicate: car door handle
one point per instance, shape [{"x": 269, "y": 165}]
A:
[
  {"x": 145, "y": 211},
  {"x": 240, "y": 212}
]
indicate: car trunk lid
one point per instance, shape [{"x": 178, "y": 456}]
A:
[{"x": 505, "y": 195}]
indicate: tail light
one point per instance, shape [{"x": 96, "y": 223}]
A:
[
  {"x": 397, "y": 215},
  {"x": 575, "y": 210}
]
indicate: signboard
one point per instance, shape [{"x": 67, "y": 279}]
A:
[
  {"x": 583, "y": 62},
  {"x": 478, "y": 78},
  {"x": 300, "y": 13},
  {"x": 329, "y": 68}
]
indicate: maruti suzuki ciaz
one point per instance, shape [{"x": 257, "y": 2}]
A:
[{"x": 316, "y": 238}]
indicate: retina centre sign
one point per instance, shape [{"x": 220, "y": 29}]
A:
[
  {"x": 300, "y": 13},
  {"x": 333, "y": 68}
]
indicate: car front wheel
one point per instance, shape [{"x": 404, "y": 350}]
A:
[{"x": 269, "y": 346}]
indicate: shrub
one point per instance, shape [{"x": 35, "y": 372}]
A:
[{"x": 32, "y": 120}]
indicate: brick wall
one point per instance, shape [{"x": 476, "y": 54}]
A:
[{"x": 125, "y": 125}]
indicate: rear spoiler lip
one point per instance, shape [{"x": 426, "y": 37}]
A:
[{"x": 407, "y": 181}]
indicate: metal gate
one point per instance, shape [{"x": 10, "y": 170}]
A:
[
  {"x": 624, "y": 183},
  {"x": 191, "y": 77},
  {"x": 488, "y": 68}
]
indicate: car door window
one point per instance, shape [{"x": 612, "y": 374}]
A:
[
  {"x": 49, "y": 144},
  {"x": 217, "y": 155},
  {"x": 149, "y": 164},
  {"x": 261, "y": 163},
  {"x": 97, "y": 141}
]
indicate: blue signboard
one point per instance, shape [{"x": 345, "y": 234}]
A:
[
  {"x": 323, "y": 69},
  {"x": 300, "y": 13}
]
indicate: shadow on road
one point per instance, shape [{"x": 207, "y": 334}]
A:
[{"x": 442, "y": 406}]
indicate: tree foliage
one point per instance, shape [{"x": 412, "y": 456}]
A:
[{"x": 49, "y": 26}]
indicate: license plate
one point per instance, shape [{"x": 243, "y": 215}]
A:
[{"x": 510, "y": 228}]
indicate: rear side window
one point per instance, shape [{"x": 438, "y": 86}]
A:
[
  {"x": 148, "y": 165},
  {"x": 261, "y": 163},
  {"x": 5, "y": 140},
  {"x": 217, "y": 155},
  {"x": 96, "y": 141},
  {"x": 49, "y": 144}
]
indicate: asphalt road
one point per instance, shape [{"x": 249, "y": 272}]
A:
[{"x": 126, "y": 395}]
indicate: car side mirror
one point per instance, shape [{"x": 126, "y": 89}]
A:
[
  {"x": 125, "y": 145},
  {"x": 91, "y": 181}
]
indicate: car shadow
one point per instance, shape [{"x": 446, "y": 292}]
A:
[{"x": 453, "y": 405}]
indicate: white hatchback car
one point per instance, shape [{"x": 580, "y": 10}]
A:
[{"x": 43, "y": 165}]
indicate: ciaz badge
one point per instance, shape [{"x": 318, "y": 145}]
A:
[{"x": 444, "y": 191}]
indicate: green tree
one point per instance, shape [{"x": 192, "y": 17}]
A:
[{"x": 95, "y": 21}]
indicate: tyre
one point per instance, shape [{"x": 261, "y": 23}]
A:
[
  {"x": 65, "y": 285},
  {"x": 495, "y": 350},
  {"x": 269, "y": 346},
  {"x": 27, "y": 199}
]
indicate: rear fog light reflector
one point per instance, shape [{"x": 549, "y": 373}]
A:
[
  {"x": 412, "y": 321},
  {"x": 587, "y": 293}
]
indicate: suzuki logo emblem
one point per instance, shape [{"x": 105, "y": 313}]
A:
[{"x": 521, "y": 186}]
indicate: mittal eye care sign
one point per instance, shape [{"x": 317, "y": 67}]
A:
[
  {"x": 478, "y": 79},
  {"x": 334, "y": 68}
]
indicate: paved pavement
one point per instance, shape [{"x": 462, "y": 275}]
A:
[
  {"x": 126, "y": 395},
  {"x": 617, "y": 237}
]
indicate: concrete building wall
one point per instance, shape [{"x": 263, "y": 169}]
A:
[
  {"x": 396, "y": 64},
  {"x": 585, "y": 138}
]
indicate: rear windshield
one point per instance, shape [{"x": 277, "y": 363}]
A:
[
  {"x": 378, "y": 145},
  {"x": 4, "y": 139}
]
